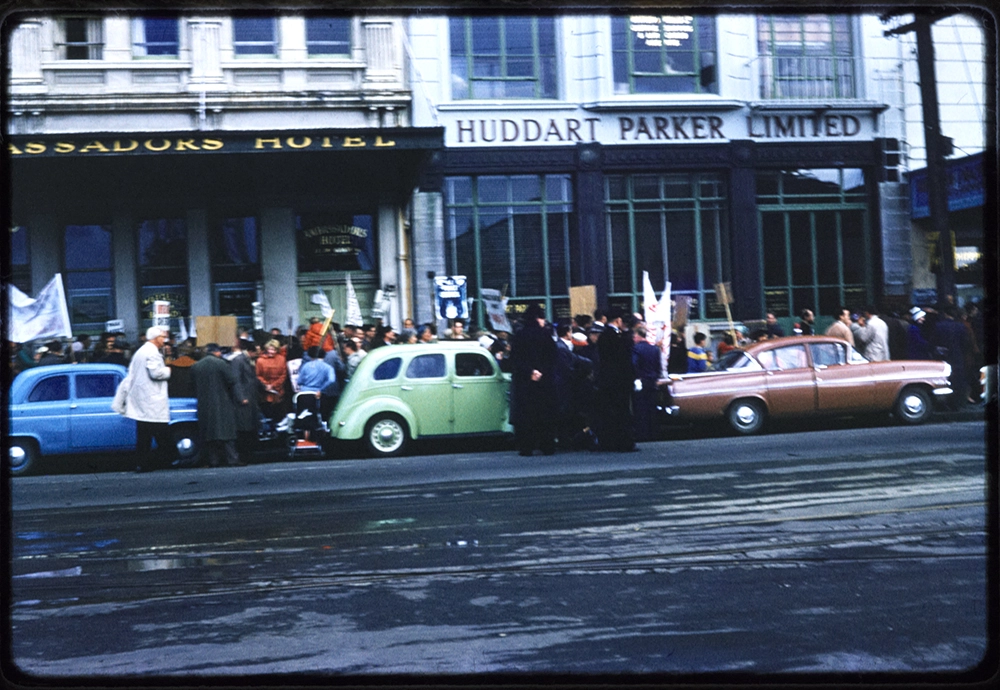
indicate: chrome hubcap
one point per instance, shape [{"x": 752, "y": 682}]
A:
[
  {"x": 17, "y": 456},
  {"x": 185, "y": 446},
  {"x": 387, "y": 435},
  {"x": 746, "y": 414},
  {"x": 914, "y": 404}
]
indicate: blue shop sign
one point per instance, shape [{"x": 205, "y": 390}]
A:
[{"x": 965, "y": 187}]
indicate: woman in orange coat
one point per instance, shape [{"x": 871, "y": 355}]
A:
[{"x": 272, "y": 371}]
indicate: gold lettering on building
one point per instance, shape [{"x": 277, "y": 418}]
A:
[
  {"x": 275, "y": 143},
  {"x": 380, "y": 142},
  {"x": 186, "y": 145},
  {"x": 34, "y": 147},
  {"x": 354, "y": 142},
  {"x": 149, "y": 145},
  {"x": 65, "y": 147},
  {"x": 211, "y": 144},
  {"x": 306, "y": 141},
  {"x": 94, "y": 146},
  {"x": 133, "y": 145}
]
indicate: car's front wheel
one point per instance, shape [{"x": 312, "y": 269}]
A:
[
  {"x": 22, "y": 456},
  {"x": 746, "y": 416},
  {"x": 187, "y": 445},
  {"x": 386, "y": 436},
  {"x": 913, "y": 406}
]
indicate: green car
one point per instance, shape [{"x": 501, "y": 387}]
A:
[{"x": 403, "y": 392}]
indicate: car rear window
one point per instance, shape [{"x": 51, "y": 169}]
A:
[
  {"x": 96, "y": 385},
  {"x": 50, "y": 389},
  {"x": 472, "y": 364},
  {"x": 389, "y": 369},
  {"x": 426, "y": 367}
]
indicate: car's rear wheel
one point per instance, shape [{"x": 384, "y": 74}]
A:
[
  {"x": 22, "y": 456},
  {"x": 187, "y": 445},
  {"x": 746, "y": 416},
  {"x": 386, "y": 436},
  {"x": 913, "y": 406}
]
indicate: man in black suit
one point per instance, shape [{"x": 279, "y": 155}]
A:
[{"x": 615, "y": 383}]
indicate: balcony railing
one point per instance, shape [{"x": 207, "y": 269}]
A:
[{"x": 807, "y": 77}]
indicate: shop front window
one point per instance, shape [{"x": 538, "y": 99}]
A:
[
  {"x": 664, "y": 54},
  {"x": 163, "y": 252},
  {"x": 503, "y": 57},
  {"x": 513, "y": 234},
  {"x": 234, "y": 246},
  {"x": 89, "y": 277},
  {"x": 806, "y": 56},
  {"x": 814, "y": 240},
  {"x": 335, "y": 242},
  {"x": 20, "y": 259},
  {"x": 674, "y": 227}
]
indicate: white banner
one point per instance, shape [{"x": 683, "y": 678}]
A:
[
  {"x": 161, "y": 314},
  {"x": 324, "y": 303},
  {"x": 182, "y": 331},
  {"x": 496, "y": 310},
  {"x": 258, "y": 316},
  {"x": 354, "y": 317},
  {"x": 46, "y": 316},
  {"x": 451, "y": 297}
]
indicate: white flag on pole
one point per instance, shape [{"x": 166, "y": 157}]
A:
[
  {"x": 192, "y": 331},
  {"x": 663, "y": 308},
  {"x": 649, "y": 303},
  {"x": 46, "y": 316},
  {"x": 324, "y": 303},
  {"x": 354, "y": 317}
]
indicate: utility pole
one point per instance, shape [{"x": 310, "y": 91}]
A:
[{"x": 937, "y": 182}]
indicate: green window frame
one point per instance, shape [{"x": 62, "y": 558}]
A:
[
  {"x": 512, "y": 233},
  {"x": 509, "y": 57},
  {"x": 806, "y": 56},
  {"x": 814, "y": 228},
  {"x": 664, "y": 54},
  {"x": 675, "y": 227}
]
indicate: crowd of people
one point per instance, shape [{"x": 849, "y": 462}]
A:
[{"x": 588, "y": 383}]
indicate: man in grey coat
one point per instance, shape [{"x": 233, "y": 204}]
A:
[
  {"x": 147, "y": 403},
  {"x": 214, "y": 381}
]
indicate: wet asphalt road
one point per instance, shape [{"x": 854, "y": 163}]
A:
[{"x": 858, "y": 550}]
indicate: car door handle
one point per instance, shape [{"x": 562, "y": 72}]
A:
[
  {"x": 73, "y": 406},
  {"x": 407, "y": 388},
  {"x": 455, "y": 385},
  {"x": 820, "y": 367}
]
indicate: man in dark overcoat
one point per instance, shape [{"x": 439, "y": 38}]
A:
[
  {"x": 533, "y": 385},
  {"x": 615, "y": 383},
  {"x": 648, "y": 370},
  {"x": 214, "y": 381},
  {"x": 248, "y": 393}
]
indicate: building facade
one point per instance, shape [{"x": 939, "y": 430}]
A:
[
  {"x": 211, "y": 161},
  {"x": 768, "y": 152},
  {"x": 219, "y": 160}
]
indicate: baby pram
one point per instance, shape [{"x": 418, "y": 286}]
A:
[{"x": 307, "y": 430}]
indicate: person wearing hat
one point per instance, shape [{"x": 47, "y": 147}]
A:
[
  {"x": 533, "y": 385},
  {"x": 147, "y": 402},
  {"x": 917, "y": 346},
  {"x": 615, "y": 383},
  {"x": 215, "y": 387}
]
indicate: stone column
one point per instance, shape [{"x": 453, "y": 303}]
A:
[
  {"x": 279, "y": 268},
  {"x": 383, "y": 53},
  {"x": 206, "y": 62},
  {"x": 199, "y": 264},
  {"x": 428, "y": 252},
  {"x": 126, "y": 259},
  {"x": 26, "y": 57}
]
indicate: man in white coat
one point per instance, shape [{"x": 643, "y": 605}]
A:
[
  {"x": 872, "y": 336},
  {"x": 147, "y": 402}
]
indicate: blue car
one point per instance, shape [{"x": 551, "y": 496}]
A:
[{"x": 66, "y": 409}]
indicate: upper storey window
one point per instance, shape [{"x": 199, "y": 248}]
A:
[
  {"x": 82, "y": 38},
  {"x": 806, "y": 56},
  {"x": 328, "y": 35},
  {"x": 156, "y": 36},
  {"x": 664, "y": 54},
  {"x": 255, "y": 35},
  {"x": 503, "y": 57}
]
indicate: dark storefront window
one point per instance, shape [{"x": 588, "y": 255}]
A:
[
  {"x": 664, "y": 54},
  {"x": 255, "y": 35},
  {"x": 806, "y": 56},
  {"x": 513, "y": 234},
  {"x": 814, "y": 240},
  {"x": 328, "y": 35},
  {"x": 156, "y": 36},
  {"x": 235, "y": 250},
  {"x": 674, "y": 227},
  {"x": 87, "y": 258},
  {"x": 20, "y": 259},
  {"x": 503, "y": 57},
  {"x": 335, "y": 242},
  {"x": 163, "y": 261}
]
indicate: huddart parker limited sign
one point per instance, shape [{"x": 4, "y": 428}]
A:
[{"x": 207, "y": 143}]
